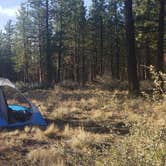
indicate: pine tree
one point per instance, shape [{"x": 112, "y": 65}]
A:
[
  {"x": 160, "y": 52},
  {"x": 130, "y": 35},
  {"x": 22, "y": 43}
]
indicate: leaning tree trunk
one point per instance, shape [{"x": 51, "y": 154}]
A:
[
  {"x": 132, "y": 62},
  {"x": 160, "y": 52}
]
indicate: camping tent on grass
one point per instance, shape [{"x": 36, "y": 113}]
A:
[{"x": 15, "y": 109}]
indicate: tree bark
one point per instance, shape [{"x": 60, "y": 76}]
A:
[
  {"x": 117, "y": 48},
  {"x": 60, "y": 52},
  {"x": 148, "y": 57},
  {"x": 26, "y": 66},
  {"x": 48, "y": 53},
  {"x": 160, "y": 52},
  {"x": 101, "y": 46},
  {"x": 83, "y": 63},
  {"x": 132, "y": 61}
]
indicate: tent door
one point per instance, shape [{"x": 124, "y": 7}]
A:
[{"x": 3, "y": 106}]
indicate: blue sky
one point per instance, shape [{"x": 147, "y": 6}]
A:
[{"x": 8, "y": 9}]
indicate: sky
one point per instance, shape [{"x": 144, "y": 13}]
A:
[{"x": 8, "y": 9}]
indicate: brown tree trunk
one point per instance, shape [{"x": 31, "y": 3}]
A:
[
  {"x": 117, "y": 48},
  {"x": 101, "y": 46},
  {"x": 83, "y": 64},
  {"x": 160, "y": 52},
  {"x": 60, "y": 52},
  {"x": 26, "y": 67},
  {"x": 132, "y": 62},
  {"x": 148, "y": 57},
  {"x": 48, "y": 53}
]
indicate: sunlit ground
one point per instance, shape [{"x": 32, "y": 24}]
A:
[{"x": 98, "y": 125}]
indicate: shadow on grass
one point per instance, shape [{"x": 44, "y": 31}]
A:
[
  {"x": 118, "y": 128},
  {"x": 14, "y": 156}
]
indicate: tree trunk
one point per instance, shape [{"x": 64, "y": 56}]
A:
[
  {"x": 117, "y": 48},
  {"x": 148, "y": 57},
  {"x": 26, "y": 67},
  {"x": 83, "y": 63},
  {"x": 132, "y": 62},
  {"x": 160, "y": 52},
  {"x": 60, "y": 51},
  {"x": 48, "y": 53},
  {"x": 101, "y": 46},
  {"x": 95, "y": 57}
]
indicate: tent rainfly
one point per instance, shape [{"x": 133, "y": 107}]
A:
[{"x": 17, "y": 115}]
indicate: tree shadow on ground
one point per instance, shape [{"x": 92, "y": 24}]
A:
[
  {"x": 119, "y": 128},
  {"x": 13, "y": 156}
]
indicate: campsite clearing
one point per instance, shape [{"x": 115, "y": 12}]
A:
[{"x": 92, "y": 126}]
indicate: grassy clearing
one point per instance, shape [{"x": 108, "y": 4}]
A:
[{"x": 93, "y": 126}]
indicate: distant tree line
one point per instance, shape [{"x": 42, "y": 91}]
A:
[{"x": 57, "y": 40}]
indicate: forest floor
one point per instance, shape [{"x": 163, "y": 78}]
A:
[{"x": 95, "y": 126}]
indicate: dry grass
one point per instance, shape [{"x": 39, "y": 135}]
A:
[
  {"x": 94, "y": 126},
  {"x": 44, "y": 157},
  {"x": 80, "y": 139},
  {"x": 51, "y": 131}
]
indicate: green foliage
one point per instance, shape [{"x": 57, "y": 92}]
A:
[{"x": 72, "y": 42}]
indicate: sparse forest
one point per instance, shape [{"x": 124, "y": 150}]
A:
[
  {"x": 57, "y": 40},
  {"x": 98, "y": 75}
]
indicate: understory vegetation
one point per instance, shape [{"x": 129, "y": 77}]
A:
[{"x": 98, "y": 125}]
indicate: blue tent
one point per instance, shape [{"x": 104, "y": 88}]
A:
[{"x": 20, "y": 115}]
